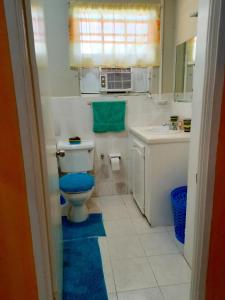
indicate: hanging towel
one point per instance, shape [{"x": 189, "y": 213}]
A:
[{"x": 109, "y": 116}]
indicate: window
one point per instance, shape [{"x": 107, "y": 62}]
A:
[{"x": 114, "y": 34}]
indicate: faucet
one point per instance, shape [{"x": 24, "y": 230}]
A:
[{"x": 171, "y": 125}]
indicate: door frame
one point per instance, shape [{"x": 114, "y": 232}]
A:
[
  {"x": 32, "y": 138},
  {"x": 210, "y": 91}
]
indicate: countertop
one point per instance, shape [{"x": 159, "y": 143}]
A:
[{"x": 159, "y": 135}]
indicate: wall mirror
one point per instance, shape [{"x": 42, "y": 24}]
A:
[{"x": 184, "y": 70}]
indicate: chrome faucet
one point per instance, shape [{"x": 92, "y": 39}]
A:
[{"x": 171, "y": 125}]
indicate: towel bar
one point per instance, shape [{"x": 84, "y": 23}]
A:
[{"x": 90, "y": 103}]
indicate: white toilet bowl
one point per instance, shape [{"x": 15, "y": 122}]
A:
[
  {"x": 77, "y": 211},
  {"x": 78, "y": 184}
]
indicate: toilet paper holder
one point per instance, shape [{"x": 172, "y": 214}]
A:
[
  {"x": 114, "y": 155},
  {"x": 114, "y": 159}
]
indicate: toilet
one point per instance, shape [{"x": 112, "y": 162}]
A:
[{"x": 77, "y": 185}]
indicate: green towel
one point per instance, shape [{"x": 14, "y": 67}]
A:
[{"x": 109, "y": 116}]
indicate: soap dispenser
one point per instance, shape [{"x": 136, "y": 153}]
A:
[{"x": 173, "y": 122}]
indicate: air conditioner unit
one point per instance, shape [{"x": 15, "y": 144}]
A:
[{"x": 116, "y": 79}]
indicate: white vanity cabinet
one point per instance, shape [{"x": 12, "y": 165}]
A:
[
  {"x": 138, "y": 173},
  {"x": 158, "y": 164}
]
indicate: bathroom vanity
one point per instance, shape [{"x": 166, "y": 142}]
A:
[{"x": 158, "y": 162}]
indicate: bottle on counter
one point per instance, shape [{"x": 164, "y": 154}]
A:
[
  {"x": 173, "y": 122},
  {"x": 187, "y": 125}
]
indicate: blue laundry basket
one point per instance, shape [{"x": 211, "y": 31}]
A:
[{"x": 179, "y": 206}]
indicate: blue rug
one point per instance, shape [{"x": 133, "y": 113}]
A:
[
  {"x": 83, "y": 277},
  {"x": 92, "y": 227}
]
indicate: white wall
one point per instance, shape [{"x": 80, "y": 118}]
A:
[
  {"x": 64, "y": 82},
  {"x": 182, "y": 109},
  {"x": 186, "y": 27},
  {"x": 73, "y": 116}
]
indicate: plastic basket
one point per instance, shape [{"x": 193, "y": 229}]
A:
[{"x": 179, "y": 205}]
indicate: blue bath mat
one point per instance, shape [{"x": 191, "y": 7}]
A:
[
  {"x": 92, "y": 227},
  {"x": 83, "y": 277}
]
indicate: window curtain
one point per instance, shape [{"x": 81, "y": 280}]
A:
[{"x": 116, "y": 34}]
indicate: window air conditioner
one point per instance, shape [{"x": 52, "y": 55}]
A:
[{"x": 116, "y": 79}]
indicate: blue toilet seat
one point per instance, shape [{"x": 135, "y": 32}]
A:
[{"x": 76, "y": 182}]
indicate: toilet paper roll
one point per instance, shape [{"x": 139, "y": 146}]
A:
[{"x": 115, "y": 163}]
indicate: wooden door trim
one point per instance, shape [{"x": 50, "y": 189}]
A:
[{"x": 32, "y": 138}]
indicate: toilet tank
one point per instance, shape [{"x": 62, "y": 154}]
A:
[{"x": 78, "y": 157}]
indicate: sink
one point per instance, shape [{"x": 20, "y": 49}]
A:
[
  {"x": 159, "y": 134},
  {"x": 160, "y": 130}
]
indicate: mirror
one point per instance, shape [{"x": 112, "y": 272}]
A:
[{"x": 184, "y": 70}]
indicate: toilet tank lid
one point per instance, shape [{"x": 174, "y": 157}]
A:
[{"x": 84, "y": 145}]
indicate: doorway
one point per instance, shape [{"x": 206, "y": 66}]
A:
[{"x": 44, "y": 79}]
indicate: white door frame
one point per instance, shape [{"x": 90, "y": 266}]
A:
[
  {"x": 29, "y": 113},
  {"x": 210, "y": 91},
  {"x": 32, "y": 140}
]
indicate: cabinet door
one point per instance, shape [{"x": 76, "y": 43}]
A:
[{"x": 138, "y": 176}]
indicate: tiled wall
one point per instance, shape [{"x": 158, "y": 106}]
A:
[{"x": 73, "y": 117}]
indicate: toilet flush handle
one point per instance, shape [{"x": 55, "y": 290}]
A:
[{"x": 60, "y": 153}]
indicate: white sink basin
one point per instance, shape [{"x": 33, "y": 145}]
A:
[
  {"x": 159, "y": 134},
  {"x": 160, "y": 130}
]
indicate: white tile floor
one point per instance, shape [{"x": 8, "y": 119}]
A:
[{"x": 140, "y": 262}]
